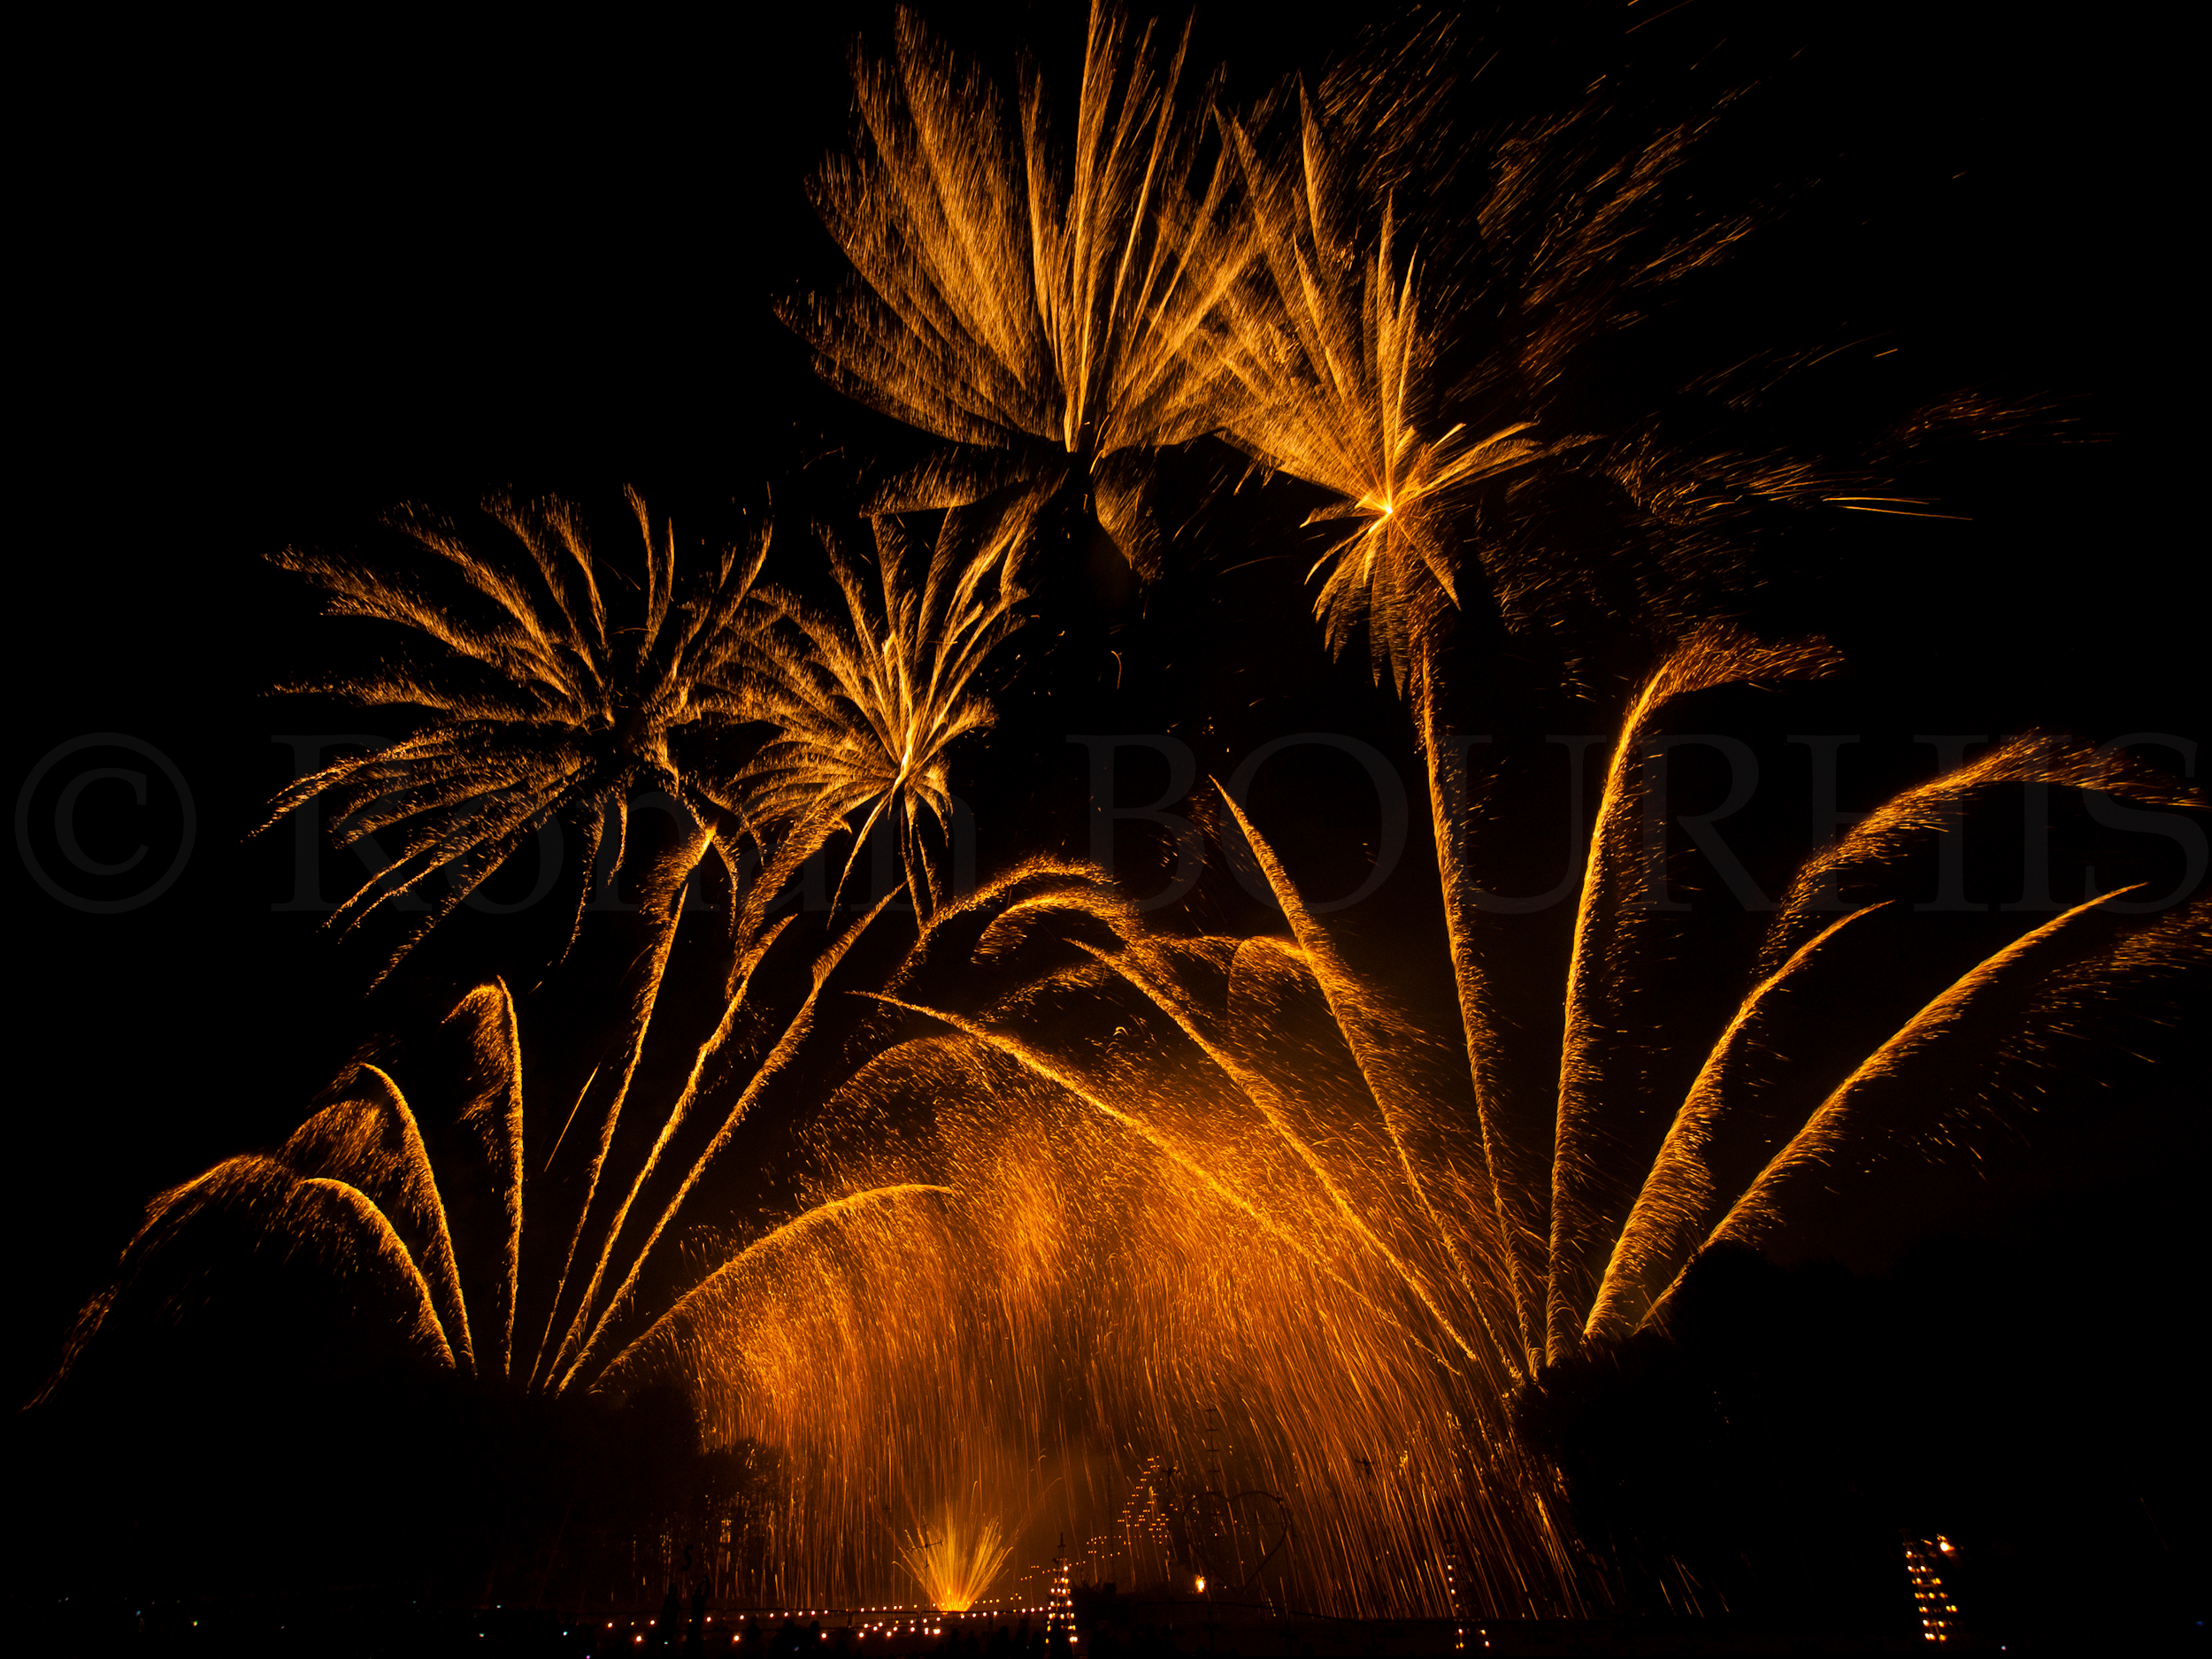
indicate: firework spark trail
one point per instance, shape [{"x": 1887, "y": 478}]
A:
[
  {"x": 1581, "y": 1190},
  {"x": 348, "y": 1141},
  {"x": 495, "y": 1115},
  {"x": 274, "y": 1200},
  {"x": 165, "y": 1216},
  {"x": 1674, "y": 1201},
  {"x": 392, "y": 1254},
  {"x": 1816, "y": 1145},
  {"x": 2035, "y": 759},
  {"x": 718, "y": 1282},
  {"x": 2165, "y": 944}
]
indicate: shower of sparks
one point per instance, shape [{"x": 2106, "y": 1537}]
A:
[
  {"x": 1189, "y": 1217},
  {"x": 1252, "y": 1206}
]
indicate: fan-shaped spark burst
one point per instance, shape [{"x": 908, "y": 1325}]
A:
[
  {"x": 955, "y": 1563},
  {"x": 355, "y": 1186}
]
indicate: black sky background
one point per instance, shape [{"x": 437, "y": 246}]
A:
[{"x": 274, "y": 281}]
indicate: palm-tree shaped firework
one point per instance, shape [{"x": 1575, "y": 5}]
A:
[
  {"x": 540, "y": 700},
  {"x": 866, "y": 707},
  {"x": 1018, "y": 297},
  {"x": 1338, "y": 366}
]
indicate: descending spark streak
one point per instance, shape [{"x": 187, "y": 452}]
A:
[
  {"x": 497, "y": 1116},
  {"x": 569, "y": 1122},
  {"x": 393, "y": 1254},
  {"x": 1673, "y": 1198},
  {"x": 1713, "y": 657},
  {"x": 340, "y": 1139},
  {"x": 164, "y": 1217},
  {"x": 276, "y": 1197},
  {"x": 1360, "y": 1024},
  {"x": 1758, "y": 1210},
  {"x": 2033, "y": 759},
  {"x": 1514, "y": 1239}
]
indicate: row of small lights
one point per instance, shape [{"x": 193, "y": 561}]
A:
[
  {"x": 1927, "y": 1587},
  {"x": 936, "y": 1622}
]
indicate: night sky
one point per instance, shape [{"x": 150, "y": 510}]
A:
[{"x": 274, "y": 283}]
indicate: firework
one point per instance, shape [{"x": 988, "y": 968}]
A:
[
  {"x": 1338, "y": 365},
  {"x": 860, "y": 721},
  {"x": 1252, "y": 1206},
  {"x": 866, "y": 711},
  {"x": 537, "y": 703},
  {"x": 955, "y": 1563},
  {"x": 1021, "y": 293}
]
